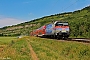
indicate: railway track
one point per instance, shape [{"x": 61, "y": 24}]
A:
[{"x": 85, "y": 40}]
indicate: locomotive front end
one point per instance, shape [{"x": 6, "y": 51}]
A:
[{"x": 62, "y": 29}]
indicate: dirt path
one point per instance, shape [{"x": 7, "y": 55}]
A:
[{"x": 33, "y": 54}]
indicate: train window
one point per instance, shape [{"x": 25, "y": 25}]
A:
[{"x": 61, "y": 24}]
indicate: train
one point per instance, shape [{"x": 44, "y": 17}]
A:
[{"x": 57, "y": 29}]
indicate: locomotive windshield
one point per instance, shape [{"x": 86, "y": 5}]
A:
[
  {"x": 61, "y": 24},
  {"x": 65, "y": 24}
]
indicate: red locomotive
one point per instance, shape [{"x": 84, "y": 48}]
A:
[{"x": 56, "y": 30}]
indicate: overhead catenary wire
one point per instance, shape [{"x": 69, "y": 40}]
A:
[
  {"x": 53, "y": 6},
  {"x": 63, "y": 8},
  {"x": 69, "y": 5}
]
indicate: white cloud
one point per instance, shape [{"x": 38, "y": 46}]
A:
[{"x": 9, "y": 21}]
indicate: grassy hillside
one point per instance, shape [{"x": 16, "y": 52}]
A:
[
  {"x": 45, "y": 49},
  {"x": 79, "y": 22}
]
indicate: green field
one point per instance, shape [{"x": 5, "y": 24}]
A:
[
  {"x": 46, "y": 49},
  {"x": 49, "y": 49},
  {"x": 14, "y": 49},
  {"x": 6, "y": 40}
]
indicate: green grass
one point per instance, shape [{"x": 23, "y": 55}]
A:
[
  {"x": 6, "y": 40},
  {"x": 22, "y": 49},
  {"x": 48, "y": 49},
  {"x": 45, "y": 49},
  {"x": 15, "y": 50}
]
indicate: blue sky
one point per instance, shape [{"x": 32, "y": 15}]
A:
[{"x": 17, "y": 11}]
